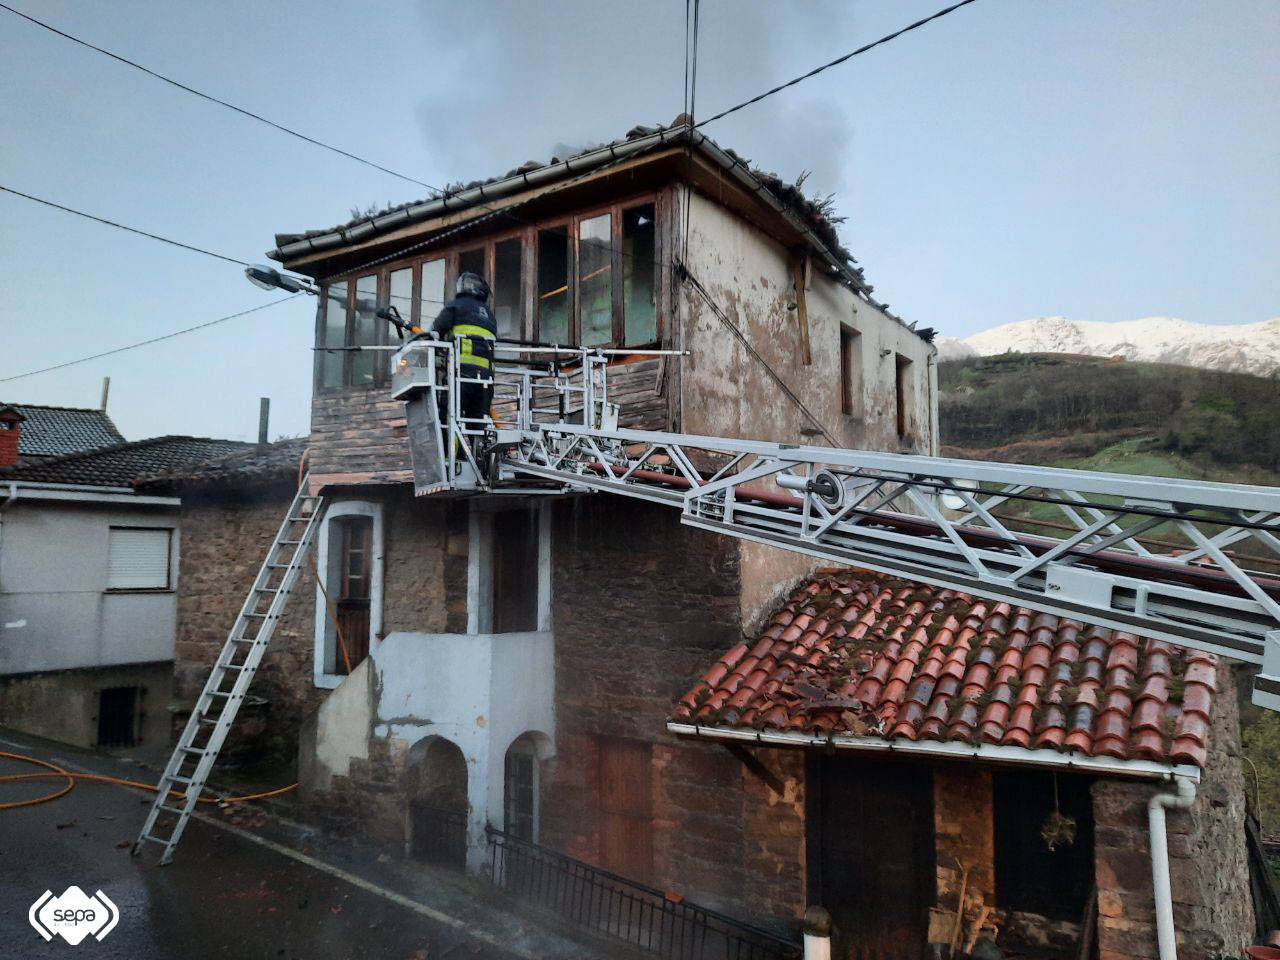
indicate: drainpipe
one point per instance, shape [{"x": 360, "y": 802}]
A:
[
  {"x": 1156, "y": 806},
  {"x": 817, "y": 934}
]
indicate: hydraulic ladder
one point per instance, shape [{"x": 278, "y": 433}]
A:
[{"x": 215, "y": 710}]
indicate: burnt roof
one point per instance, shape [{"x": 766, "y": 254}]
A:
[
  {"x": 120, "y": 464},
  {"x": 812, "y": 216},
  {"x": 56, "y": 431},
  {"x": 258, "y": 464}
]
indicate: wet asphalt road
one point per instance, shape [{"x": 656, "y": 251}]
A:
[{"x": 222, "y": 897}]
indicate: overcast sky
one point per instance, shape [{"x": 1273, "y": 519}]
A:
[{"x": 1100, "y": 160}]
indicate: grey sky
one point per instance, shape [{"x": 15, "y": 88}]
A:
[{"x": 1102, "y": 160}]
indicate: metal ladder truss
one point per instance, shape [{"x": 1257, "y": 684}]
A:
[
  {"x": 215, "y": 710},
  {"x": 1194, "y": 563}
]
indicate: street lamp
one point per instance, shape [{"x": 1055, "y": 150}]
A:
[{"x": 269, "y": 278}]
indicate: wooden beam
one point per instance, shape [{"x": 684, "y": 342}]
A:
[
  {"x": 800, "y": 274},
  {"x": 752, "y": 763}
]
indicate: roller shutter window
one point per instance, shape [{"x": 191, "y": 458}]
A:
[{"x": 138, "y": 558}]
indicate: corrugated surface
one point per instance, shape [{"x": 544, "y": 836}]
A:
[{"x": 872, "y": 655}]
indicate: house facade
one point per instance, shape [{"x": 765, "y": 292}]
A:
[
  {"x": 88, "y": 578},
  {"x": 537, "y": 664}
]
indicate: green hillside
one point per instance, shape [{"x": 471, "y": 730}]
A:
[
  {"x": 1135, "y": 417},
  {"x": 1091, "y": 413}
]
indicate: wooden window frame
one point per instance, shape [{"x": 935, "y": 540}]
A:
[{"x": 530, "y": 320}]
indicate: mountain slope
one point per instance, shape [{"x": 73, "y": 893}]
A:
[{"x": 1242, "y": 348}]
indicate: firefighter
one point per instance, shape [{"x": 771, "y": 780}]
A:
[{"x": 469, "y": 322}]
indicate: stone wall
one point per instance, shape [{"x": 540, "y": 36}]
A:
[
  {"x": 1208, "y": 869},
  {"x": 642, "y": 607},
  {"x": 964, "y": 836},
  {"x": 225, "y": 538}
]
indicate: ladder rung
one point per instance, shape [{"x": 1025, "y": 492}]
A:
[
  {"x": 177, "y": 811},
  {"x": 197, "y": 750},
  {"x": 163, "y": 841},
  {"x": 294, "y": 542},
  {"x": 257, "y": 616}
]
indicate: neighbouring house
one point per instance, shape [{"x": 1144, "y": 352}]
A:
[
  {"x": 88, "y": 571},
  {"x": 47, "y": 432},
  {"x": 910, "y": 741},
  {"x": 230, "y": 510},
  {"x": 513, "y": 662}
]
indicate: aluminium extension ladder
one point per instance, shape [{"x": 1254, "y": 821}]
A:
[{"x": 193, "y": 758}]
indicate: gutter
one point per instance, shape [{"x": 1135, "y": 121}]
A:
[
  {"x": 83, "y": 493},
  {"x": 993, "y": 753},
  {"x": 1185, "y": 795}
]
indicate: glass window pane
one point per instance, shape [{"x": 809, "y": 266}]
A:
[
  {"x": 473, "y": 261},
  {"x": 553, "y": 285},
  {"x": 432, "y": 296},
  {"x": 595, "y": 279},
  {"x": 401, "y": 295},
  {"x": 335, "y": 334},
  {"x": 640, "y": 292},
  {"x": 364, "y": 331},
  {"x": 508, "y": 302}
]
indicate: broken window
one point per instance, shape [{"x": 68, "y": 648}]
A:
[
  {"x": 431, "y": 292},
  {"x": 1030, "y": 877},
  {"x": 553, "y": 285},
  {"x": 508, "y": 298},
  {"x": 515, "y": 571},
  {"x": 850, "y": 371},
  {"x": 366, "y": 330},
  {"x": 595, "y": 280},
  {"x": 333, "y": 334},
  {"x": 473, "y": 261},
  {"x": 640, "y": 292},
  {"x": 904, "y": 394}
]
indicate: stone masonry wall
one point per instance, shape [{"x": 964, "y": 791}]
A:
[
  {"x": 642, "y": 606},
  {"x": 225, "y": 538},
  {"x": 1208, "y": 869}
]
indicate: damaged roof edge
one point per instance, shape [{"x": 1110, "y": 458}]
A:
[
  {"x": 994, "y": 753},
  {"x": 584, "y": 163}
]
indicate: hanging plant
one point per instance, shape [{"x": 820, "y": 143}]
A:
[{"x": 1058, "y": 828}]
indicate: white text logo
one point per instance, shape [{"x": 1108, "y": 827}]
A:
[{"x": 74, "y": 915}]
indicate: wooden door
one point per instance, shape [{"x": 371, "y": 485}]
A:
[
  {"x": 626, "y": 809},
  {"x": 871, "y": 854}
]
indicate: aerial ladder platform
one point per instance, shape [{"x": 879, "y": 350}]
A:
[{"x": 553, "y": 430}]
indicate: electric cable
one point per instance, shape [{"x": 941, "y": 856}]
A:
[
  {"x": 212, "y": 99},
  {"x": 121, "y": 226},
  {"x": 144, "y": 343},
  {"x": 836, "y": 62},
  {"x": 746, "y": 344}
]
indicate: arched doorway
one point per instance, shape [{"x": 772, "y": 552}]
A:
[{"x": 438, "y": 803}]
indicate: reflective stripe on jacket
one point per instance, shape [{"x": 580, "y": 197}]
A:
[{"x": 472, "y": 326}]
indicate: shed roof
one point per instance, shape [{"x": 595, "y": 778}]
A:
[
  {"x": 874, "y": 656},
  {"x": 255, "y": 464}
]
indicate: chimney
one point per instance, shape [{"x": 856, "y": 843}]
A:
[
  {"x": 106, "y": 390},
  {"x": 10, "y": 434},
  {"x": 264, "y": 417}
]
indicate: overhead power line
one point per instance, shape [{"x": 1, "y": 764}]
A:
[
  {"x": 836, "y": 62},
  {"x": 144, "y": 343},
  {"x": 212, "y": 99},
  {"x": 121, "y": 226}
]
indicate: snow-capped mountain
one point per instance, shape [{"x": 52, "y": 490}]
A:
[{"x": 1245, "y": 348}]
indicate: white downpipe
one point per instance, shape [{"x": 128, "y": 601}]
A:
[{"x": 1156, "y": 806}]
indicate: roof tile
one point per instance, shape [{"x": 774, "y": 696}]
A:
[{"x": 931, "y": 664}]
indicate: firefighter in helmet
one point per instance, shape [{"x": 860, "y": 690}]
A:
[{"x": 468, "y": 321}]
